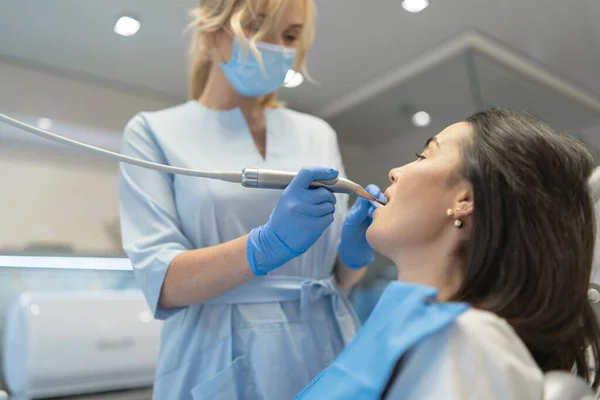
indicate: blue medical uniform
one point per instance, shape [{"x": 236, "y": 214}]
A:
[{"x": 266, "y": 339}]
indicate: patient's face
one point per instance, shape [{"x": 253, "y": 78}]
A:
[{"x": 420, "y": 195}]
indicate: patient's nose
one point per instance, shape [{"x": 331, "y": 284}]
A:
[{"x": 394, "y": 174}]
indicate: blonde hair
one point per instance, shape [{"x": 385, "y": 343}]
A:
[{"x": 214, "y": 15}]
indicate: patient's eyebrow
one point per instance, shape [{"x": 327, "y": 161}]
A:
[{"x": 431, "y": 139}]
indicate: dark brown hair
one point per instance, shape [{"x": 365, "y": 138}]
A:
[{"x": 532, "y": 242}]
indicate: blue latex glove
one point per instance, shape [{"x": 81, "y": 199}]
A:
[
  {"x": 353, "y": 249},
  {"x": 297, "y": 222}
]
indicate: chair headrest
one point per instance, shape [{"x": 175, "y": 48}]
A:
[
  {"x": 561, "y": 385},
  {"x": 594, "y": 182}
]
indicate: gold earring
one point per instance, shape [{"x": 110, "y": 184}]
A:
[
  {"x": 458, "y": 223},
  {"x": 450, "y": 212}
]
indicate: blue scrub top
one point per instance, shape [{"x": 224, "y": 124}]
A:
[{"x": 269, "y": 338}]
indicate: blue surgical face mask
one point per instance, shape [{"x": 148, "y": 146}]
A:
[{"x": 246, "y": 75}]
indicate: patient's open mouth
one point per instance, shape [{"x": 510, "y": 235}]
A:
[
  {"x": 387, "y": 197},
  {"x": 379, "y": 203}
]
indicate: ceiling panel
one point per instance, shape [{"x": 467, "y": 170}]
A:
[
  {"x": 442, "y": 90},
  {"x": 501, "y": 86},
  {"x": 76, "y": 36},
  {"x": 483, "y": 75}
]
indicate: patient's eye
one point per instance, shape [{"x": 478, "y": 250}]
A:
[{"x": 420, "y": 156}]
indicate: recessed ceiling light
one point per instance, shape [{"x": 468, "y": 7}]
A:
[
  {"x": 415, "y": 6},
  {"x": 127, "y": 26},
  {"x": 421, "y": 119},
  {"x": 44, "y": 123},
  {"x": 293, "y": 79}
]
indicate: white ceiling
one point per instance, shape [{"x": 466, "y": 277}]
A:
[{"x": 357, "y": 40}]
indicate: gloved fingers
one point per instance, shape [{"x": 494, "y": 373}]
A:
[
  {"x": 362, "y": 206},
  {"x": 371, "y": 211},
  {"x": 375, "y": 191},
  {"x": 317, "y": 196},
  {"x": 325, "y": 221},
  {"x": 358, "y": 212},
  {"x": 316, "y": 210},
  {"x": 307, "y": 175},
  {"x": 378, "y": 194},
  {"x": 323, "y": 209}
]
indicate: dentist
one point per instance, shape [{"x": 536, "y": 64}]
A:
[{"x": 246, "y": 280}]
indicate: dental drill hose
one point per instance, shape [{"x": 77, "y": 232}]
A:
[
  {"x": 224, "y": 175},
  {"x": 249, "y": 177}
]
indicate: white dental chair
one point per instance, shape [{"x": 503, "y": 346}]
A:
[{"x": 561, "y": 385}]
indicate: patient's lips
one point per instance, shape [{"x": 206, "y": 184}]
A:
[
  {"x": 379, "y": 205},
  {"x": 387, "y": 196}
]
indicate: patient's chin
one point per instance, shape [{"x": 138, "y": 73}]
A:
[
  {"x": 375, "y": 238},
  {"x": 370, "y": 236}
]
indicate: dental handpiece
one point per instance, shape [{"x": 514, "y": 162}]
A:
[
  {"x": 249, "y": 177},
  {"x": 270, "y": 179}
]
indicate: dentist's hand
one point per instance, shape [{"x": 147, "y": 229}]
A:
[
  {"x": 298, "y": 221},
  {"x": 353, "y": 249}
]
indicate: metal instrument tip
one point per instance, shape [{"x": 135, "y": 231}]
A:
[{"x": 362, "y": 192}]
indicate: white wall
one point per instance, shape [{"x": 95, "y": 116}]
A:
[
  {"x": 33, "y": 92},
  {"x": 54, "y": 195},
  {"x": 55, "y": 199}
]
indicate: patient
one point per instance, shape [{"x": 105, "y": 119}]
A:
[{"x": 495, "y": 217}]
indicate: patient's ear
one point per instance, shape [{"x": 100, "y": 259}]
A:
[{"x": 463, "y": 206}]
